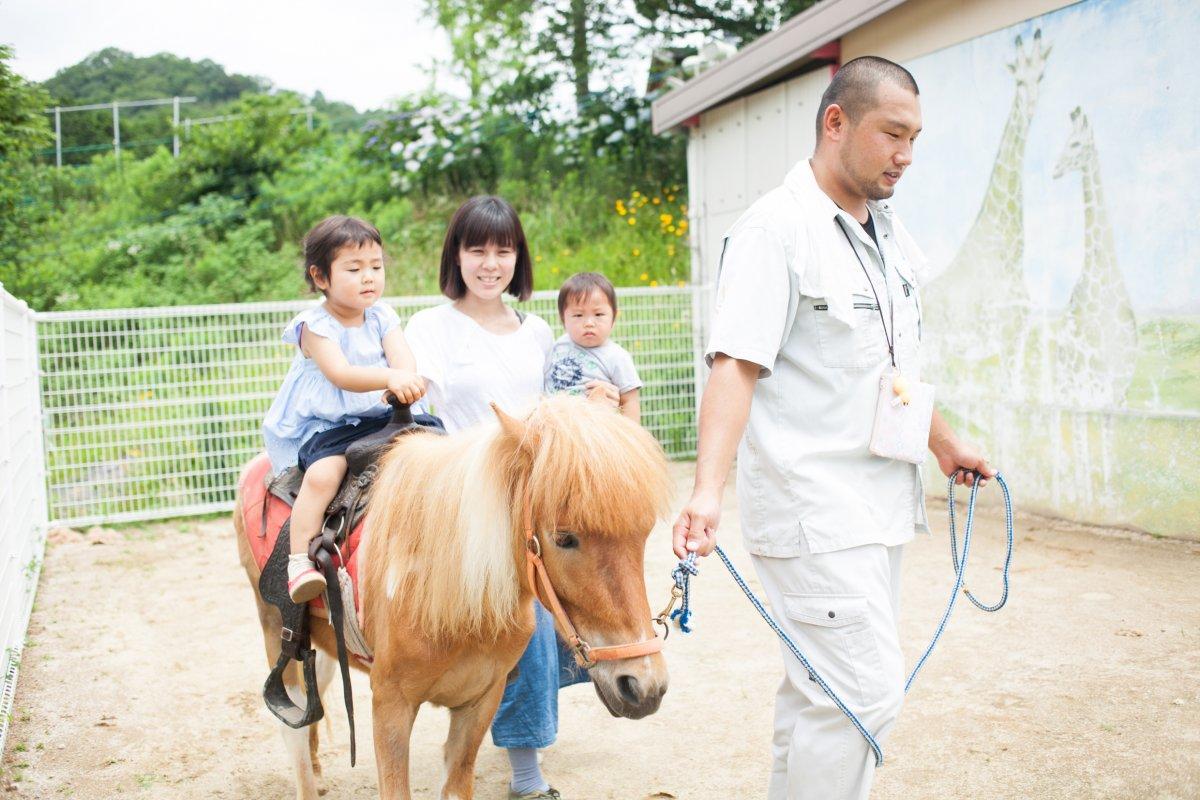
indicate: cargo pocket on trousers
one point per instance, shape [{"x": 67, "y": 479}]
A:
[{"x": 846, "y": 654}]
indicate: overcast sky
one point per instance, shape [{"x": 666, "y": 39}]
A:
[{"x": 363, "y": 52}]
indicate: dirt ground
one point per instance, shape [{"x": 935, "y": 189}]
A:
[{"x": 142, "y": 673}]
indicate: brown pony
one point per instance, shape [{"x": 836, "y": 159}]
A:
[{"x": 446, "y": 592}]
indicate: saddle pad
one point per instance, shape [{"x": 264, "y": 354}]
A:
[{"x": 253, "y": 488}]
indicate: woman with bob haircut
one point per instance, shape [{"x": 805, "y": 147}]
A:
[{"x": 474, "y": 351}]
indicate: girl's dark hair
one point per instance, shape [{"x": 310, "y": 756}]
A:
[
  {"x": 580, "y": 286},
  {"x": 483, "y": 220},
  {"x": 327, "y": 237}
]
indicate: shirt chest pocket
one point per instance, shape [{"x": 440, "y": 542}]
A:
[{"x": 843, "y": 347}]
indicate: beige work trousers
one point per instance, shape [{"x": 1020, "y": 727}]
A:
[{"x": 841, "y": 610}]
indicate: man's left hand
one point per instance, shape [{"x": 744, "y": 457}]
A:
[{"x": 954, "y": 454}]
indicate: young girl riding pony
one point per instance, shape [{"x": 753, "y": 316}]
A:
[{"x": 350, "y": 349}]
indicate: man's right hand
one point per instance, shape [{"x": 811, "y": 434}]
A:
[{"x": 696, "y": 529}]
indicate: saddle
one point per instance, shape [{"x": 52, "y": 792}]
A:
[{"x": 341, "y": 517}]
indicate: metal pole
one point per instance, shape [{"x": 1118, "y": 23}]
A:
[
  {"x": 117, "y": 131},
  {"x": 175, "y": 128},
  {"x": 57, "y": 138}
]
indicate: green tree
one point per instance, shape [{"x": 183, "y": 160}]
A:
[
  {"x": 487, "y": 38},
  {"x": 739, "y": 22},
  {"x": 23, "y": 130},
  {"x": 113, "y": 74}
]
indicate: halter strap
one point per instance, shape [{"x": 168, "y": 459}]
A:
[{"x": 586, "y": 656}]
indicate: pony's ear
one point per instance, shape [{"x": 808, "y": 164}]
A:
[{"x": 512, "y": 427}]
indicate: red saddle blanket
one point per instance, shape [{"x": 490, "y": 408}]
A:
[{"x": 253, "y": 488}]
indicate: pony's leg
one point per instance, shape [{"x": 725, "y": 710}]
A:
[
  {"x": 326, "y": 670},
  {"x": 301, "y": 752},
  {"x": 468, "y": 724},
  {"x": 393, "y": 718}
]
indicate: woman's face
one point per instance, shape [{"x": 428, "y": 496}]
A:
[{"x": 487, "y": 270}]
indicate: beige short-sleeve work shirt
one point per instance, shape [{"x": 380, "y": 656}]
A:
[{"x": 793, "y": 298}]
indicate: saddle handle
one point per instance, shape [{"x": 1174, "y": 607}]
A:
[{"x": 401, "y": 412}]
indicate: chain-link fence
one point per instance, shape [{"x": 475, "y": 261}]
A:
[
  {"x": 152, "y": 412},
  {"x": 22, "y": 489}
]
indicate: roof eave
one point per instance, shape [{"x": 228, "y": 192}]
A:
[{"x": 767, "y": 58}]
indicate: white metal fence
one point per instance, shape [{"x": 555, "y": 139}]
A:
[
  {"x": 151, "y": 412},
  {"x": 22, "y": 489}
]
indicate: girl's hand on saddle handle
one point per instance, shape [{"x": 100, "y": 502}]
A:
[
  {"x": 408, "y": 387},
  {"x": 696, "y": 529},
  {"x": 603, "y": 392}
]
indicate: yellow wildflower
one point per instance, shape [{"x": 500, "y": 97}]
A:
[
  {"x": 636, "y": 193},
  {"x": 538, "y": 258},
  {"x": 665, "y": 219},
  {"x": 670, "y": 229},
  {"x": 621, "y": 211},
  {"x": 632, "y": 220},
  {"x": 679, "y": 232},
  {"x": 670, "y": 198},
  {"x": 656, "y": 201},
  {"x": 643, "y": 201},
  {"x": 654, "y": 283},
  {"x": 683, "y": 209},
  {"x": 670, "y": 249},
  {"x": 636, "y": 252},
  {"x": 645, "y": 276},
  {"x": 681, "y": 285},
  {"x": 554, "y": 270},
  {"x": 566, "y": 251}
]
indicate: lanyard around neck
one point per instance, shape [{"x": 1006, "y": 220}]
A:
[{"x": 878, "y": 305}]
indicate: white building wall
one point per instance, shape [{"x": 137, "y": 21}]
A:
[{"x": 739, "y": 152}]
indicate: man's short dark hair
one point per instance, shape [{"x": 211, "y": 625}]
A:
[
  {"x": 855, "y": 86},
  {"x": 484, "y": 220},
  {"x": 327, "y": 237},
  {"x": 580, "y": 287}
]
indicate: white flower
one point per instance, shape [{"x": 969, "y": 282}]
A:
[
  {"x": 630, "y": 123},
  {"x": 447, "y": 159},
  {"x": 412, "y": 165},
  {"x": 397, "y": 148},
  {"x": 615, "y": 137},
  {"x": 113, "y": 245},
  {"x": 605, "y": 119},
  {"x": 134, "y": 249}
]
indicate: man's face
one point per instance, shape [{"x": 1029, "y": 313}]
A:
[{"x": 878, "y": 147}]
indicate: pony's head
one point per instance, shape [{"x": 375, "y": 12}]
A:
[
  {"x": 595, "y": 483},
  {"x": 446, "y": 533}
]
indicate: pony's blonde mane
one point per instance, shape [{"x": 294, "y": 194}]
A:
[
  {"x": 440, "y": 534},
  {"x": 594, "y": 472},
  {"x": 444, "y": 532}
]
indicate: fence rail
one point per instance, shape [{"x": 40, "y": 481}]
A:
[
  {"x": 151, "y": 412},
  {"x": 22, "y": 489}
]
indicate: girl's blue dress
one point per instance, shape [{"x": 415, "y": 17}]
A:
[{"x": 307, "y": 402}]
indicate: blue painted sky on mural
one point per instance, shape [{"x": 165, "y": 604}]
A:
[{"x": 1127, "y": 65}]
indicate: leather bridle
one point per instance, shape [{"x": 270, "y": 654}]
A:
[{"x": 585, "y": 655}]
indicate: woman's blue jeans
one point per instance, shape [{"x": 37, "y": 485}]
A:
[{"x": 528, "y": 713}]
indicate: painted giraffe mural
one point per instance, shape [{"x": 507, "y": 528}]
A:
[
  {"x": 978, "y": 310},
  {"x": 1096, "y": 344}
]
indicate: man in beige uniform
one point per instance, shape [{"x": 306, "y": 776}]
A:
[{"x": 817, "y": 295}]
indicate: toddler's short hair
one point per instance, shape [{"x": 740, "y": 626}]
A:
[
  {"x": 327, "y": 237},
  {"x": 580, "y": 285}
]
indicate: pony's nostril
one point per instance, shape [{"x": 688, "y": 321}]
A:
[{"x": 627, "y": 685}]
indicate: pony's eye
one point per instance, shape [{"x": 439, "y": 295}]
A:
[{"x": 565, "y": 540}]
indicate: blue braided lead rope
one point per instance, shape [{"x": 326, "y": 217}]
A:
[
  {"x": 686, "y": 569},
  {"x": 960, "y": 565}
]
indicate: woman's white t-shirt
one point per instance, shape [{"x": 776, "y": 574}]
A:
[{"x": 467, "y": 367}]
